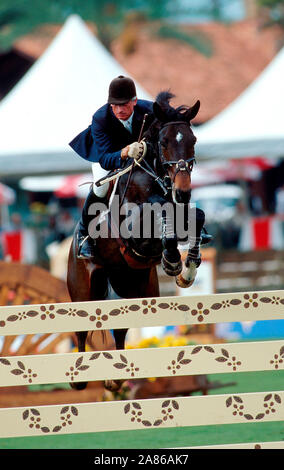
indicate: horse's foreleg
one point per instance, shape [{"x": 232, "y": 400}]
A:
[
  {"x": 171, "y": 261},
  {"x": 193, "y": 259}
]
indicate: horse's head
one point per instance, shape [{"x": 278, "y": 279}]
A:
[{"x": 176, "y": 144}]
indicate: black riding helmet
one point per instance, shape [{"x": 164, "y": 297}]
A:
[{"x": 121, "y": 90}]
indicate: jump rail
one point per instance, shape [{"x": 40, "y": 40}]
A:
[{"x": 140, "y": 363}]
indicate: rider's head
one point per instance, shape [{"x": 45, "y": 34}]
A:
[{"x": 122, "y": 97}]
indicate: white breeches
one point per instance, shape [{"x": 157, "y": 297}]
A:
[{"x": 98, "y": 173}]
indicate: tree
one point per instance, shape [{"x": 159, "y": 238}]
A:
[
  {"x": 276, "y": 11},
  {"x": 21, "y": 17}
]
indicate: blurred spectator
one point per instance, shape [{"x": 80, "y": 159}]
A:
[
  {"x": 231, "y": 230},
  {"x": 16, "y": 222},
  {"x": 65, "y": 225}
]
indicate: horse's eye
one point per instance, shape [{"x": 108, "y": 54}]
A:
[{"x": 164, "y": 144}]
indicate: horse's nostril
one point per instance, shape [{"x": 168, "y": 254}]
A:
[{"x": 181, "y": 165}]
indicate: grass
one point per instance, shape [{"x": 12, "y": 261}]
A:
[{"x": 174, "y": 437}]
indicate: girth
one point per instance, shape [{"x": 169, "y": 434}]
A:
[{"x": 134, "y": 259}]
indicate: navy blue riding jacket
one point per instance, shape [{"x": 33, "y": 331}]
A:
[{"x": 103, "y": 140}]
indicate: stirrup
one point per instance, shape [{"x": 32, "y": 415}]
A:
[{"x": 205, "y": 237}]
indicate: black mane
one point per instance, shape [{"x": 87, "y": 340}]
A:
[
  {"x": 170, "y": 114},
  {"x": 173, "y": 114}
]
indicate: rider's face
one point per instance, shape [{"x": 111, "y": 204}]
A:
[{"x": 123, "y": 111}]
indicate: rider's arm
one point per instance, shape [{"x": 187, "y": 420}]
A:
[{"x": 108, "y": 159}]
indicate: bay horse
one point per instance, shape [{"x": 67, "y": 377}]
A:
[{"x": 128, "y": 264}]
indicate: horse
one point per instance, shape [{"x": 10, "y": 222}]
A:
[{"x": 128, "y": 263}]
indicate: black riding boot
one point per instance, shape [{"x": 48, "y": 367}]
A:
[
  {"x": 86, "y": 244},
  {"x": 205, "y": 237}
]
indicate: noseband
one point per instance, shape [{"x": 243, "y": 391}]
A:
[{"x": 180, "y": 165}]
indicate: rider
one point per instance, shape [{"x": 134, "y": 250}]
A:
[{"x": 108, "y": 142}]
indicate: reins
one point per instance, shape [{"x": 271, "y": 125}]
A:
[
  {"x": 132, "y": 166},
  {"x": 181, "y": 164},
  {"x": 154, "y": 175},
  {"x": 163, "y": 182}
]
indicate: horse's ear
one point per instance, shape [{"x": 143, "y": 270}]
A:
[
  {"x": 158, "y": 112},
  {"x": 192, "y": 112}
]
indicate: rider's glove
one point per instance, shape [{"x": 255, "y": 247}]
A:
[{"x": 137, "y": 150}]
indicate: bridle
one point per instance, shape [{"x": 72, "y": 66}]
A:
[
  {"x": 164, "y": 181},
  {"x": 181, "y": 164}
]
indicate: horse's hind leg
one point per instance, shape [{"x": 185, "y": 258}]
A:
[
  {"x": 131, "y": 284},
  {"x": 81, "y": 338},
  {"x": 97, "y": 291},
  {"x": 119, "y": 337},
  {"x": 85, "y": 282}
]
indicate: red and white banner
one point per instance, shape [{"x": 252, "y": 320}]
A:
[
  {"x": 262, "y": 233},
  {"x": 18, "y": 245}
]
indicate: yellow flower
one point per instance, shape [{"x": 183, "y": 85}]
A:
[
  {"x": 182, "y": 341},
  {"x": 165, "y": 342}
]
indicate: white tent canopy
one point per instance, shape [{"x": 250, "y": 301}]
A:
[
  {"x": 54, "y": 101},
  {"x": 253, "y": 124}
]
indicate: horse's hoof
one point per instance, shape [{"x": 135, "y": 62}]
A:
[
  {"x": 181, "y": 282},
  {"x": 113, "y": 385},
  {"x": 78, "y": 385},
  {"x": 172, "y": 269},
  {"x": 187, "y": 278}
]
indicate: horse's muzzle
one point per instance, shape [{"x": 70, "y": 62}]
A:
[{"x": 181, "y": 197}]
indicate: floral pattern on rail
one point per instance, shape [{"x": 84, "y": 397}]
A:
[
  {"x": 270, "y": 405},
  {"x": 166, "y": 412},
  {"x": 132, "y": 369},
  {"x": 34, "y": 420},
  {"x": 135, "y": 410},
  {"x": 236, "y": 404},
  {"x": 20, "y": 370},
  {"x": 147, "y": 307}
]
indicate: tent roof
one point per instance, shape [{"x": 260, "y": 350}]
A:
[
  {"x": 54, "y": 101},
  {"x": 253, "y": 124}
]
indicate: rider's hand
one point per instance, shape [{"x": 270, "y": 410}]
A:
[
  {"x": 124, "y": 152},
  {"x": 135, "y": 150}
]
